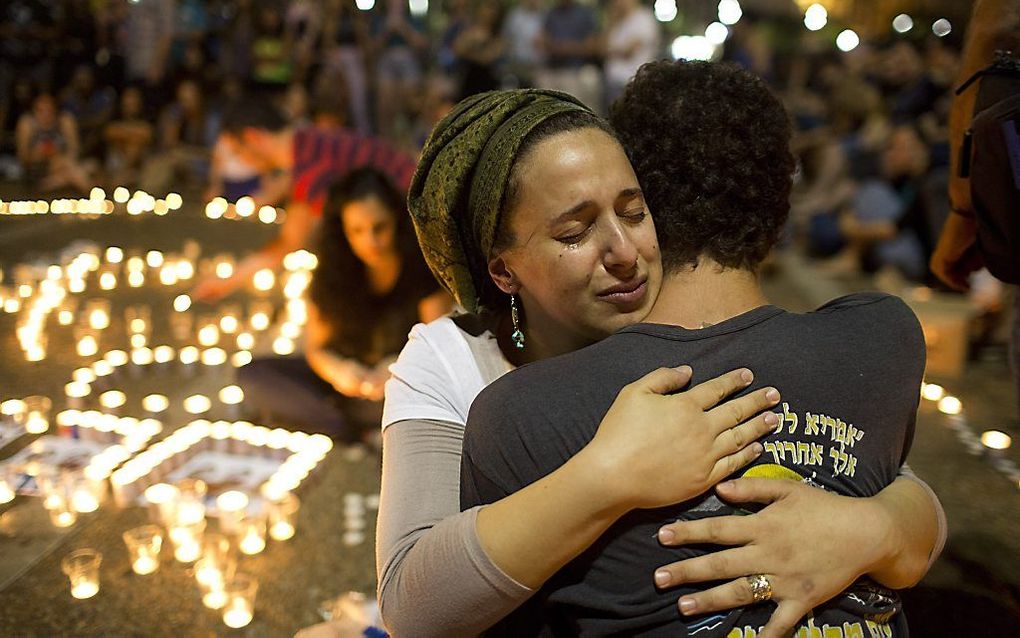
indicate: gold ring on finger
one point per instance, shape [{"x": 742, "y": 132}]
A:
[{"x": 761, "y": 588}]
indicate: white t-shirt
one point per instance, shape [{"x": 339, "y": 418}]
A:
[
  {"x": 437, "y": 377},
  {"x": 640, "y": 26}
]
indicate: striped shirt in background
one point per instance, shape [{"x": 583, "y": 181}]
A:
[{"x": 323, "y": 156}]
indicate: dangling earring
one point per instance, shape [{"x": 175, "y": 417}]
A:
[{"x": 517, "y": 337}]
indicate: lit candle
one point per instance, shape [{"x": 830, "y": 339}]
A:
[
  {"x": 83, "y": 500},
  {"x": 37, "y": 411},
  {"x": 87, "y": 346},
  {"x": 932, "y": 391},
  {"x": 162, "y": 499},
  {"x": 253, "y": 535},
  {"x": 155, "y": 403},
  {"x": 267, "y": 214},
  {"x": 185, "y": 269},
  {"x": 154, "y": 259},
  {"x": 112, "y": 399},
  {"x": 82, "y": 569},
  {"x": 996, "y": 443},
  {"x": 283, "y": 346},
  {"x": 197, "y": 404},
  {"x": 107, "y": 281},
  {"x": 950, "y": 405},
  {"x": 214, "y": 357},
  {"x": 238, "y": 615},
  {"x": 240, "y": 605},
  {"x": 241, "y": 358},
  {"x": 231, "y": 506},
  {"x": 208, "y": 335},
  {"x": 116, "y": 358},
  {"x": 182, "y": 303},
  {"x": 135, "y": 279},
  {"x": 264, "y": 280}
]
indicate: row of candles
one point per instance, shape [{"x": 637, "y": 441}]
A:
[
  {"x": 180, "y": 509},
  {"x": 138, "y": 203},
  {"x": 51, "y": 294}
]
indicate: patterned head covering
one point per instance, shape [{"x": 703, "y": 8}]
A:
[{"x": 457, "y": 190}]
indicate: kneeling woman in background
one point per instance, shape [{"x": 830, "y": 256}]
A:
[{"x": 370, "y": 287}]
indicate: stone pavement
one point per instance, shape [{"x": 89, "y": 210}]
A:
[{"x": 973, "y": 590}]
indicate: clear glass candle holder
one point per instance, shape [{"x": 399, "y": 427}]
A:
[
  {"x": 86, "y": 494},
  {"x": 283, "y": 517},
  {"x": 190, "y": 501},
  {"x": 187, "y": 541},
  {"x": 239, "y": 607},
  {"x": 36, "y": 417},
  {"x": 211, "y": 583},
  {"x": 144, "y": 544},
  {"x": 82, "y": 568},
  {"x": 251, "y": 537},
  {"x": 231, "y": 507},
  {"x": 162, "y": 500}
]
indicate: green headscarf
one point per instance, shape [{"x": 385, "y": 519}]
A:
[{"x": 458, "y": 187}]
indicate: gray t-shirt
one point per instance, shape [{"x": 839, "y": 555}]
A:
[{"x": 849, "y": 374}]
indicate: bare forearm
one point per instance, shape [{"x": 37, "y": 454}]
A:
[
  {"x": 574, "y": 509},
  {"x": 912, "y": 530}
]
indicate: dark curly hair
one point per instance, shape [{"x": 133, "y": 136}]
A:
[
  {"x": 711, "y": 148},
  {"x": 340, "y": 287}
]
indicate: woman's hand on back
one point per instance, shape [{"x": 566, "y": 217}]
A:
[
  {"x": 844, "y": 535},
  {"x": 660, "y": 448}
]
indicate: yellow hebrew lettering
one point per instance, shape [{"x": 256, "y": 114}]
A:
[
  {"x": 816, "y": 454},
  {"x": 831, "y": 632},
  {"x": 790, "y": 418},
  {"x": 851, "y": 465},
  {"x": 735, "y": 633},
  {"x": 803, "y": 453},
  {"x": 811, "y": 426},
  {"x": 771, "y": 447},
  {"x": 788, "y": 445},
  {"x": 855, "y": 630}
]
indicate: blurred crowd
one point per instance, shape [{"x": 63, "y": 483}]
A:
[{"x": 131, "y": 92}]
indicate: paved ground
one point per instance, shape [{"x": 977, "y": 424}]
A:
[{"x": 974, "y": 590}]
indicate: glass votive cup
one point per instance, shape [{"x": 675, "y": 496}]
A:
[
  {"x": 283, "y": 517},
  {"x": 187, "y": 540},
  {"x": 190, "y": 501},
  {"x": 143, "y": 545},
  {"x": 220, "y": 552},
  {"x": 231, "y": 506},
  {"x": 36, "y": 417},
  {"x": 212, "y": 583},
  {"x": 86, "y": 494},
  {"x": 82, "y": 568},
  {"x": 251, "y": 537},
  {"x": 239, "y": 608},
  {"x": 162, "y": 500}
]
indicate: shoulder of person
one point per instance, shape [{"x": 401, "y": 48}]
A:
[{"x": 877, "y": 313}]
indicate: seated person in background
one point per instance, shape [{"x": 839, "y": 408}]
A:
[
  {"x": 710, "y": 147},
  {"x": 886, "y": 224},
  {"x": 370, "y": 288},
  {"x": 314, "y": 158},
  {"x": 187, "y": 131},
  {"x": 47, "y": 144},
  {"x": 92, "y": 107},
  {"x": 128, "y": 139}
]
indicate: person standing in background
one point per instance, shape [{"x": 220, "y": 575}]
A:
[
  {"x": 995, "y": 25},
  {"x": 632, "y": 39},
  {"x": 147, "y": 38},
  {"x": 521, "y": 32},
  {"x": 570, "y": 42}
]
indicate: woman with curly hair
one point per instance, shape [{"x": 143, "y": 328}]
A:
[{"x": 370, "y": 287}]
